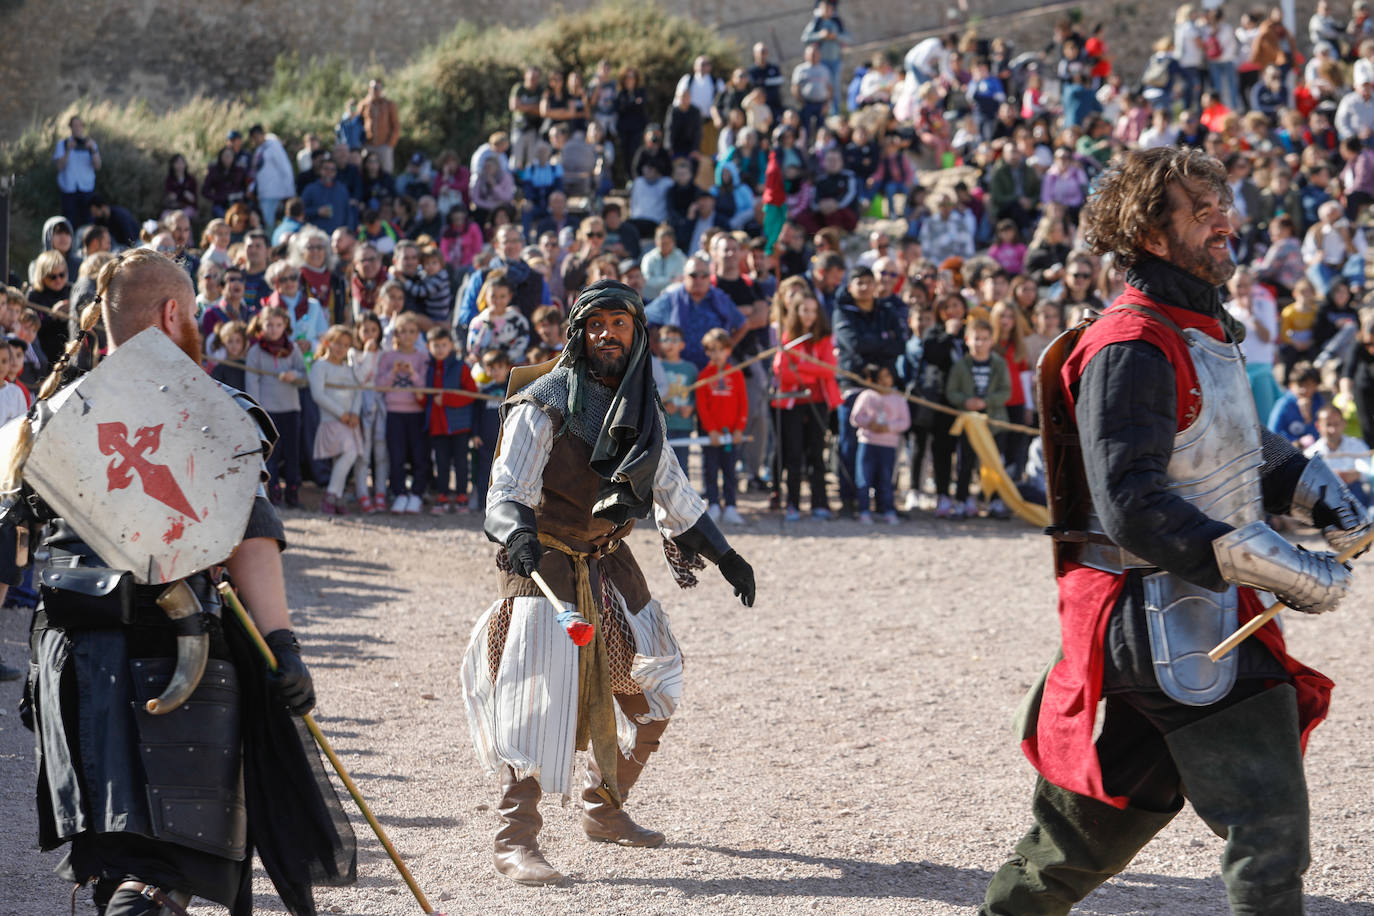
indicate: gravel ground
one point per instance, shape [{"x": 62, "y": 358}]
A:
[{"x": 843, "y": 747}]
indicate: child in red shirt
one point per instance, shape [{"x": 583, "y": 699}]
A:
[
  {"x": 723, "y": 409},
  {"x": 448, "y": 420}
]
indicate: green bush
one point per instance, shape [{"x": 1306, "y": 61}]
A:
[{"x": 451, "y": 95}]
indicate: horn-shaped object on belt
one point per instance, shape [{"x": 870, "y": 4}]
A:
[{"x": 193, "y": 647}]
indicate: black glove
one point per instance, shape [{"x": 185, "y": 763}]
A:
[
  {"x": 512, "y": 525},
  {"x": 290, "y": 683},
  {"x": 524, "y": 551},
  {"x": 740, "y": 575}
]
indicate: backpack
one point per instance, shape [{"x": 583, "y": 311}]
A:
[{"x": 1156, "y": 72}]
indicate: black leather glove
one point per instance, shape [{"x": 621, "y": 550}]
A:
[
  {"x": 512, "y": 525},
  {"x": 740, "y": 575},
  {"x": 524, "y": 551},
  {"x": 291, "y": 682}
]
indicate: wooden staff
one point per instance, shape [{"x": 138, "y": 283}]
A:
[
  {"x": 463, "y": 391},
  {"x": 1259, "y": 620},
  {"x": 231, "y": 599},
  {"x": 49, "y": 310},
  {"x": 920, "y": 402},
  {"x": 299, "y": 382},
  {"x": 675, "y": 391}
]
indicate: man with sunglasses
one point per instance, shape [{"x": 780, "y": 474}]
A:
[
  {"x": 531, "y": 289},
  {"x": 696, "y": 306}
]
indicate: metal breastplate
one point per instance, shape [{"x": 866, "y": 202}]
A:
[{"x": 1215, "y": 466}]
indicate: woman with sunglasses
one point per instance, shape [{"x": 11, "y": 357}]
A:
[{"x": 49, "y": 288}]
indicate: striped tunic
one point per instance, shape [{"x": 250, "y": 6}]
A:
[{"x": 526, "y": 716}]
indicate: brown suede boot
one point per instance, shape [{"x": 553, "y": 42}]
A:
[
  {"x": 602, "y": 821},
  {"x": 517, "y": 842}
]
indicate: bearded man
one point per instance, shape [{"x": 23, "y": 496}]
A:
[
  {"x": 1160, "y": 477},
  {"x": 581, "y": 457},
  {"x": 159, "y": 806}
]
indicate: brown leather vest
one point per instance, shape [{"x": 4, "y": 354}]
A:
[{"x": 570, "y": 489}]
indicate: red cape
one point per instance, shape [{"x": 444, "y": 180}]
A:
[{"x": 1061, "y": 748}]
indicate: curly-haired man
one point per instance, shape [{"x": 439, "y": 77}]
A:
[{"x": 1160, "y": 477}]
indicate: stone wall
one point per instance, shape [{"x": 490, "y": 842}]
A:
[{"x": 52, "y": 51}]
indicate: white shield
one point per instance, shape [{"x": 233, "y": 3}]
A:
[{"x": 150, "y": 461}]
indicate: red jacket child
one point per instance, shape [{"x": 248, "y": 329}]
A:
[{"x": 722, "y": 405}]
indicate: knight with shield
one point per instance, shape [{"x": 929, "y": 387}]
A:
[{"x": 166, "y": 752}]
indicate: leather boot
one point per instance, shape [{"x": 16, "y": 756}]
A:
[
  {"x": 602, "y": 821},
  {"x": 517, "y": 842}
]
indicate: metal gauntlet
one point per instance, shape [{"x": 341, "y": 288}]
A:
[
  {"x": 1322, "y": 499},
  {"x": 1257, "y": 556}
]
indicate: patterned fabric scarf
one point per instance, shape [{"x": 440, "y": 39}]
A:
[{"x": 278, "y": 349}]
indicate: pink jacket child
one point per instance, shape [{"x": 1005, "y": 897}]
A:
[{"x": 888, "y": 409}]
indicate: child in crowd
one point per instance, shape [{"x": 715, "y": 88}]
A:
[
  {"x": 339, "y": 435},
  {"x": 1008, "y": 250},
  {"x": 548, "y": 324},
  {"x": 433, "y": 289},
  {"x": 805, "y": 396},
  {"x": 364, "y": 358},
  {"x": 979, "y": 382},
  {"x": 215, "y": 242},
  {"x": 1348, "y": 456},
  {"x": 16, "y": 349},
  {"x": 35, "y": 365},
  {"x": 462, "y": 239},
  {"x": 680, "y": 373},
  {"x": 12, "y": 303},
  {"x": 403, "y": 367},
  {"x": 499, "y": 325},
  {"x": 1298, "y": 326},
  {"x": 280, "y": 366},
  {"x": 13, "y": 401},
  {"x": 448, "y": 421},
  {"x": 391, "y": 301},
  {"x": 724, "y": 409},
  {"x": 232, "y": 339},
  {"x": 1295, "y": 414},
  {"x": 487, "y": 423},
  {"x": 881, "y": 418},
  {"x": 1009, "y": 332}
]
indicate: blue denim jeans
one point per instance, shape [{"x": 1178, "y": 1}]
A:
[
  {"x": 718, "y": 474},
  {"x": 847, "y": 446},
  {"x": 876, "y": 464}
]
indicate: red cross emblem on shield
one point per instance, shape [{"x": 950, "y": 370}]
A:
[{"x": 130, "y": 457}]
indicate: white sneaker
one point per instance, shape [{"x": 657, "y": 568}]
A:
[
  {"x": 399, "y": 504},
  {"x": 713, "y": 512},
  {"x": 913, "y": 501},
  {"x": 731, "y": 516},
  {"x": 413, "y": 505}
]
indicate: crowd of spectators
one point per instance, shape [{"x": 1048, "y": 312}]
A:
[{"x": 911, "y": 223}]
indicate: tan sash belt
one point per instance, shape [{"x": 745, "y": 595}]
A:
[{"x": 595, "y": 712}]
